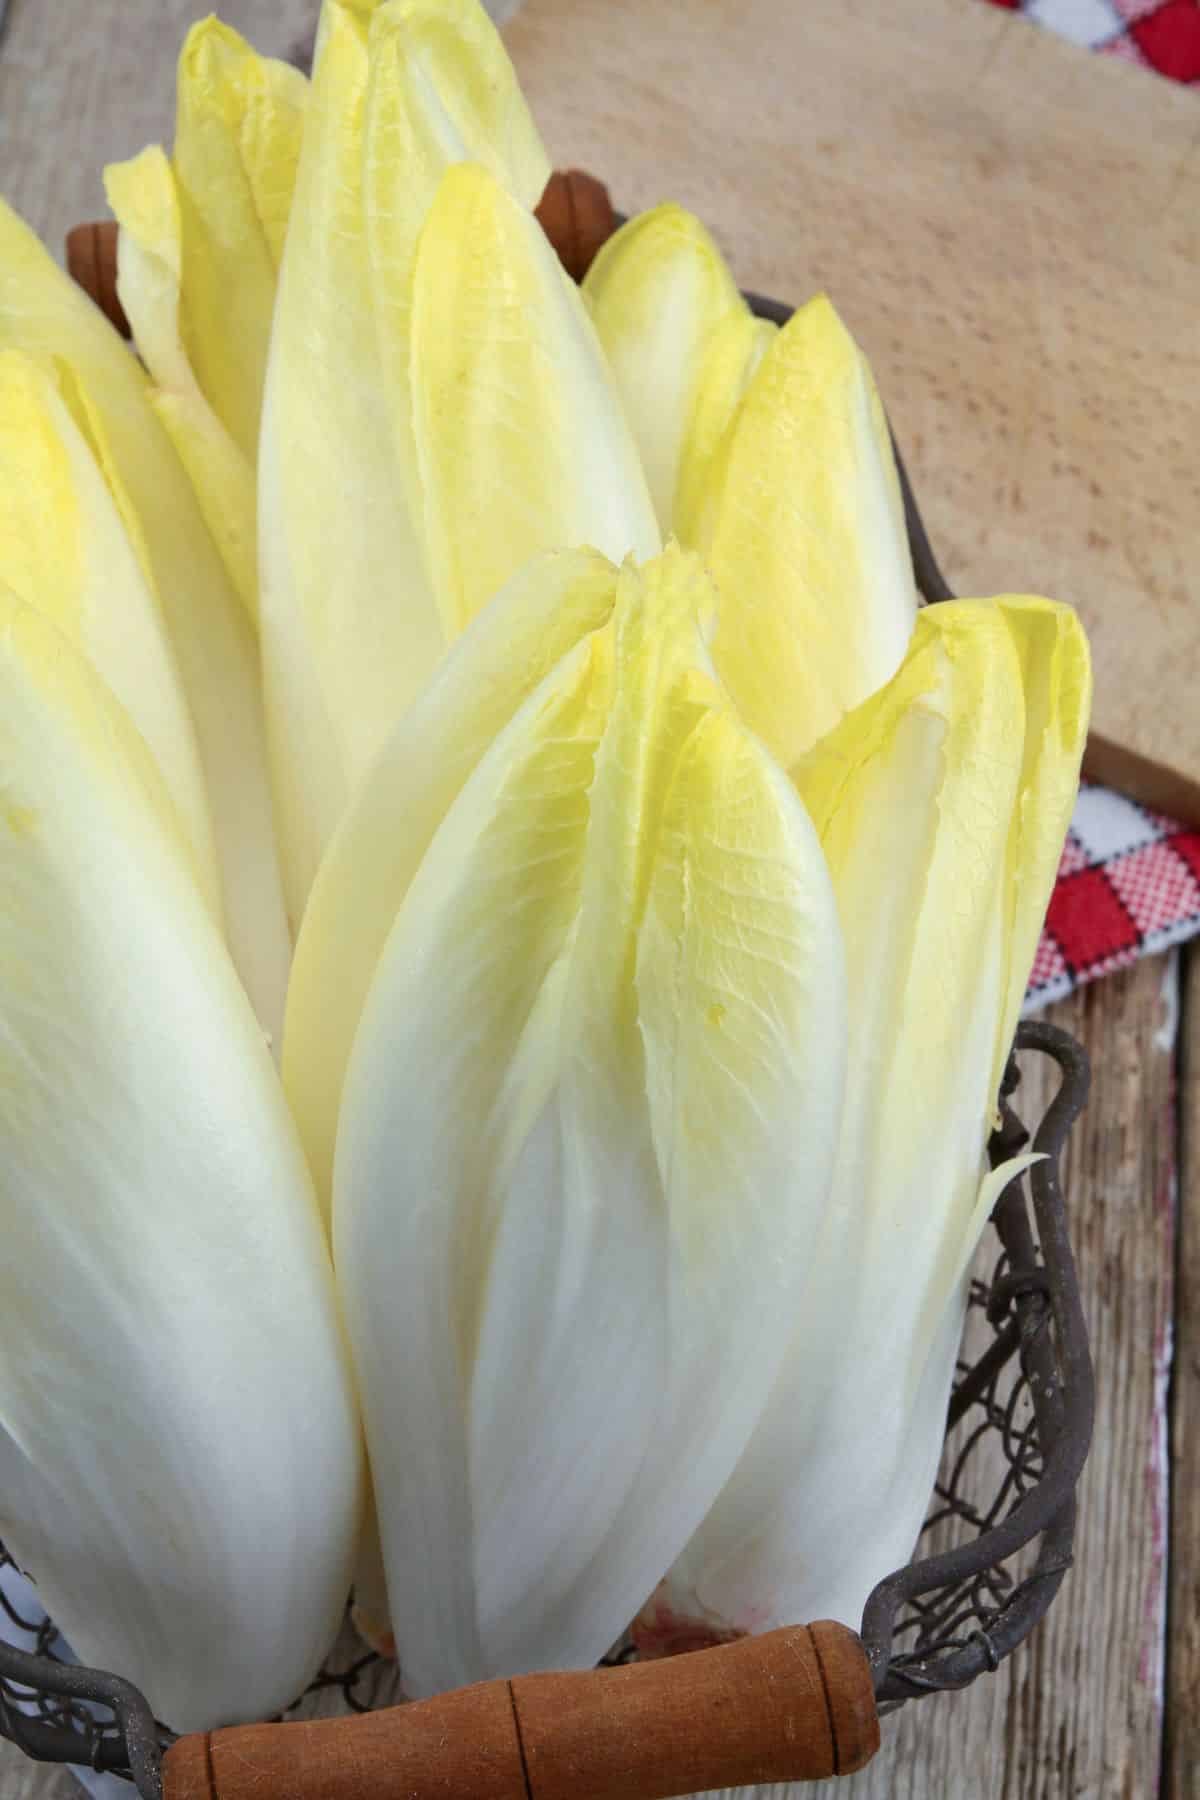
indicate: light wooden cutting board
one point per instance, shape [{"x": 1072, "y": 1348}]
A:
[{"x": 1010, "y": 225}]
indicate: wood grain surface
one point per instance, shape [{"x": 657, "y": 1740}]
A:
[
  {"x": 1010, "y": 225},
  {"x": 1077, "y": 1715},
  {"x": 1183, "y": 1638},
  {"x": 86, "y": 82}
]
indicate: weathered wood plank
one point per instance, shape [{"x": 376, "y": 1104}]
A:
[
  {"x": 92, "y": 81},
  {"x": 22, "y": 1780},
  {"x": 1183, "y": 1642}
]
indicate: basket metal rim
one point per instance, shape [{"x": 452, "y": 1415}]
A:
[{"x": 1049, "y": 1334}]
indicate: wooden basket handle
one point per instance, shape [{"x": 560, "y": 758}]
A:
[
  {"x": 92, "y": 262},
  {"x": 576, "y": 214},
  {"x": 575, "y": 211},
  {"x": 793, "y": 1705}
]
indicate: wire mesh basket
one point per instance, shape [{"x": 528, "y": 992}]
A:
[{"x": 998, "y": 1538}]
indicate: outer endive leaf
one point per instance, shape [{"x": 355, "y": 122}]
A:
[
  {"x": 732, "y": 356},
  {"x": 200, "y": 246},
  {"x": 360, "y": 11},
  {"x": 43, "y": 311},
  {"x": 63, "y": 550},
  {"x": 441, "y": 91},
  {"x": 521, "y": 442},
  {"x": 179, "y": 1457},
  {"x": 224, "y": 485},
  {"x": 238, "y": 128},
  {"x": 661, "y": 299},
  {"x": 1057, "y": 673},
  {"x": 802, "y": 524},
  {"x": 145, "y": 201},
  {"x": 924, "y": 782},
  {"x": 507, "y": 650},
  {"x": 619, "y": 959},
  {"x": 143, "y": 196},
  {"x": 462, "y": 102},
  {"x": 349, "y": 630},
  {"x": 401, "y": 92},
  {"x": 408, "y": 1248}
]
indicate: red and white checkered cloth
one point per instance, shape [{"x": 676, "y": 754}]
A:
[
  {"x": 1129, "y": 880},
  {"x": 1160, "y": 34},
  {"x": 1128, "y": 885}
]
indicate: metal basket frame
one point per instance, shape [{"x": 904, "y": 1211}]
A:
[{"x": 932, "y": 1626}]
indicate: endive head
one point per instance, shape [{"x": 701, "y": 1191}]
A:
[
  {"x": 443, "y": 91},
  {"x": 941, "y": 803},
  {"x": 203, "y": 230},
  {"x": 200, "y": 245},
  {"x": 959, "y": 776},
  {"x": 1056, "y": 673},
  {"x": 506, "y": 652},
  {"x": 682, "y": 344},
  {"x": 958, "y": 779},
  {"x": 800, "y": 515},
  {"x": 768, "y": 452},
  {"x": 179, "y": 1457},
  {"x": 521, "y": 442},
  {"x": 70, "y": 547},
  {"x": 44, "y": 314},
  {"x": 618, "y": 959},
  {"x": 438, "y": 407}
]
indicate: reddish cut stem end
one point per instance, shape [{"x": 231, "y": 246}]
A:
[
  {"x": 378, "y": 1635},
  {"x": 660, "y": 1631}
]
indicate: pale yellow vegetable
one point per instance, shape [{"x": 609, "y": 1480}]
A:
[
  {"x": 65, "y": 552},
  {"x": 200, "y": 246},
  {"x": 941, "y": 804},
  {"x": 180, "y": 1467},
  {"x": 438, "y": 409},
  {"x": 683, "y": 346},
  {"x": 592, "y": 1105},
  {"x": 239, "y": 125},
  {"x": 801, "y": 515},
  {"x": 143, "y": 195},
  {"x": 501, "y": 658},
  {"x": 44, "y": 313},
  {"x": 768, "y": 452},
  {"x": 521, "y": 442}
]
